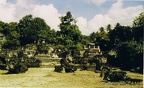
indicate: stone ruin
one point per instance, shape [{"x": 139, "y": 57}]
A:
[
  {"x": 18, "y": 61},
  {"x": 90, "y": 57}
]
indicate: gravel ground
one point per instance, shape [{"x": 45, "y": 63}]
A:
[{"x": 47, "y": 78}]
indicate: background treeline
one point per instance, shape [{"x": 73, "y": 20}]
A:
[{"x": 122, "y": 45}]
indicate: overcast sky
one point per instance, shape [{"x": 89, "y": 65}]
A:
[{"x": 90, "y": 14}]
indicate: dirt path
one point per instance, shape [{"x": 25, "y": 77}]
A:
[{"x": 46, "y": 78}]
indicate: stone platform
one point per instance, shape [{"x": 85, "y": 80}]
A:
[{"x": 47, "y": 61}]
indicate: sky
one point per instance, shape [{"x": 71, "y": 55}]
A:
[{"x": 90, "y": 14}]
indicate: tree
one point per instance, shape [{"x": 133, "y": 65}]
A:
[
  {"x": 109, "y": 27},
  {"x": 86, "y": 39},
  {"x": 92, "y": 37},
  {"x": 139, "y": 20},
  {"x": 32, "y": 29},
  {"x": 66, "y": 20},
  {"x": 128, "y": 43},
  {"x": 69, "y": 31},
  {"x": 130, "y": 55},
  {"x": 102, "y": 39},
  {"x": 2, "y": 25},
  {"x": 51, "y": 37},
  {"x": 12, "y": 35},
  {"x": 138, "y": 28},
  {"x": 120, "y": 34}
]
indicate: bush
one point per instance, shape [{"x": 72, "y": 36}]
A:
[
  {"x": 70, "y": 69},
  {"x": 20, "y": 67},
  {"x": 33, "y": 62},
  {"x": 115, "y": 76},
  {"x": 58, "y": 68},
  {"x": 42, "y": 49},
  {"x": 130, "y": 55}
]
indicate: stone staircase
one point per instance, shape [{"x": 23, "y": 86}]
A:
[{"x": 47, "y": 61}]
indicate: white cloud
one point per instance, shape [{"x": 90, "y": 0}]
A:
[
  {"x": 116, "y": 14},
  {"x": 22, "y": 8},
  {"x": 83, "y": 25},
  {"x": 99, "y": 21},
  {"x": 94, "y": 24},
  {"x": 49, "y": 13},
  {"x": 6, "y": 11},
  {"x": 123, "y": 15}
]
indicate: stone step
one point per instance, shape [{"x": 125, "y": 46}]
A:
[
  {"x": 53, "y": 65},
  {"x": 47, "y": 66},
  {"x": 49, "y": 59}
]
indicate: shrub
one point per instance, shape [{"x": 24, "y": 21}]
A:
[
  {"x": 70, "y": 69},
  {"x": 42, "y": 49},
  {"x": 20, "y": 67},
  {"x": 58, "y": 68},
  {"x": 33, "y": 62}
]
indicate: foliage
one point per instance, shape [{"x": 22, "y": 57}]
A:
[
  {"x": 130, "y": 55},
  {"x": 120, "y": 34},
  {"x": 2, "y": 25},
  {"x": 42, "y": 48},
  {"x": 79, "y": 46},
  {"x": 51, "y": 37},
  {"x": 138, "y": 28},
  {"x": 139, "y": 20},
  {"x": 20, "y": 67},
  {"x": 93, "y": 36},
  {"x": 32, "y": 29},
  {"x": 12, "y": 35},
  {"x": 34, "y": 62},
  {"x": 70, "y": 33},
  {"x": 125, "y": 41},
  {"x": 102, "y": 39}
]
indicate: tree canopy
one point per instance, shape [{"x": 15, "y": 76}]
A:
[
  {"x": 32, "y": 29},
  {"x": 69, "y": 33}
]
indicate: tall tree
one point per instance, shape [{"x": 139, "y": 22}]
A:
[
  {"x": 109, "y": 27},
  {"x": 2, "y": 25},
  {"x": 69, "y": 31},
  {"x": 120, "y": 34},
  {"x": 32, "y": 29},
  {"x": 51, "y": 37},
  {"x": 138, "y": 28},
  {"x": 130, "y": 55},
  {"x": 139, "y": 20},
  {"x": 12, "y": 35},
  {"x": 92, "y": 37},
  {"x": 102, "y": 39}
]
